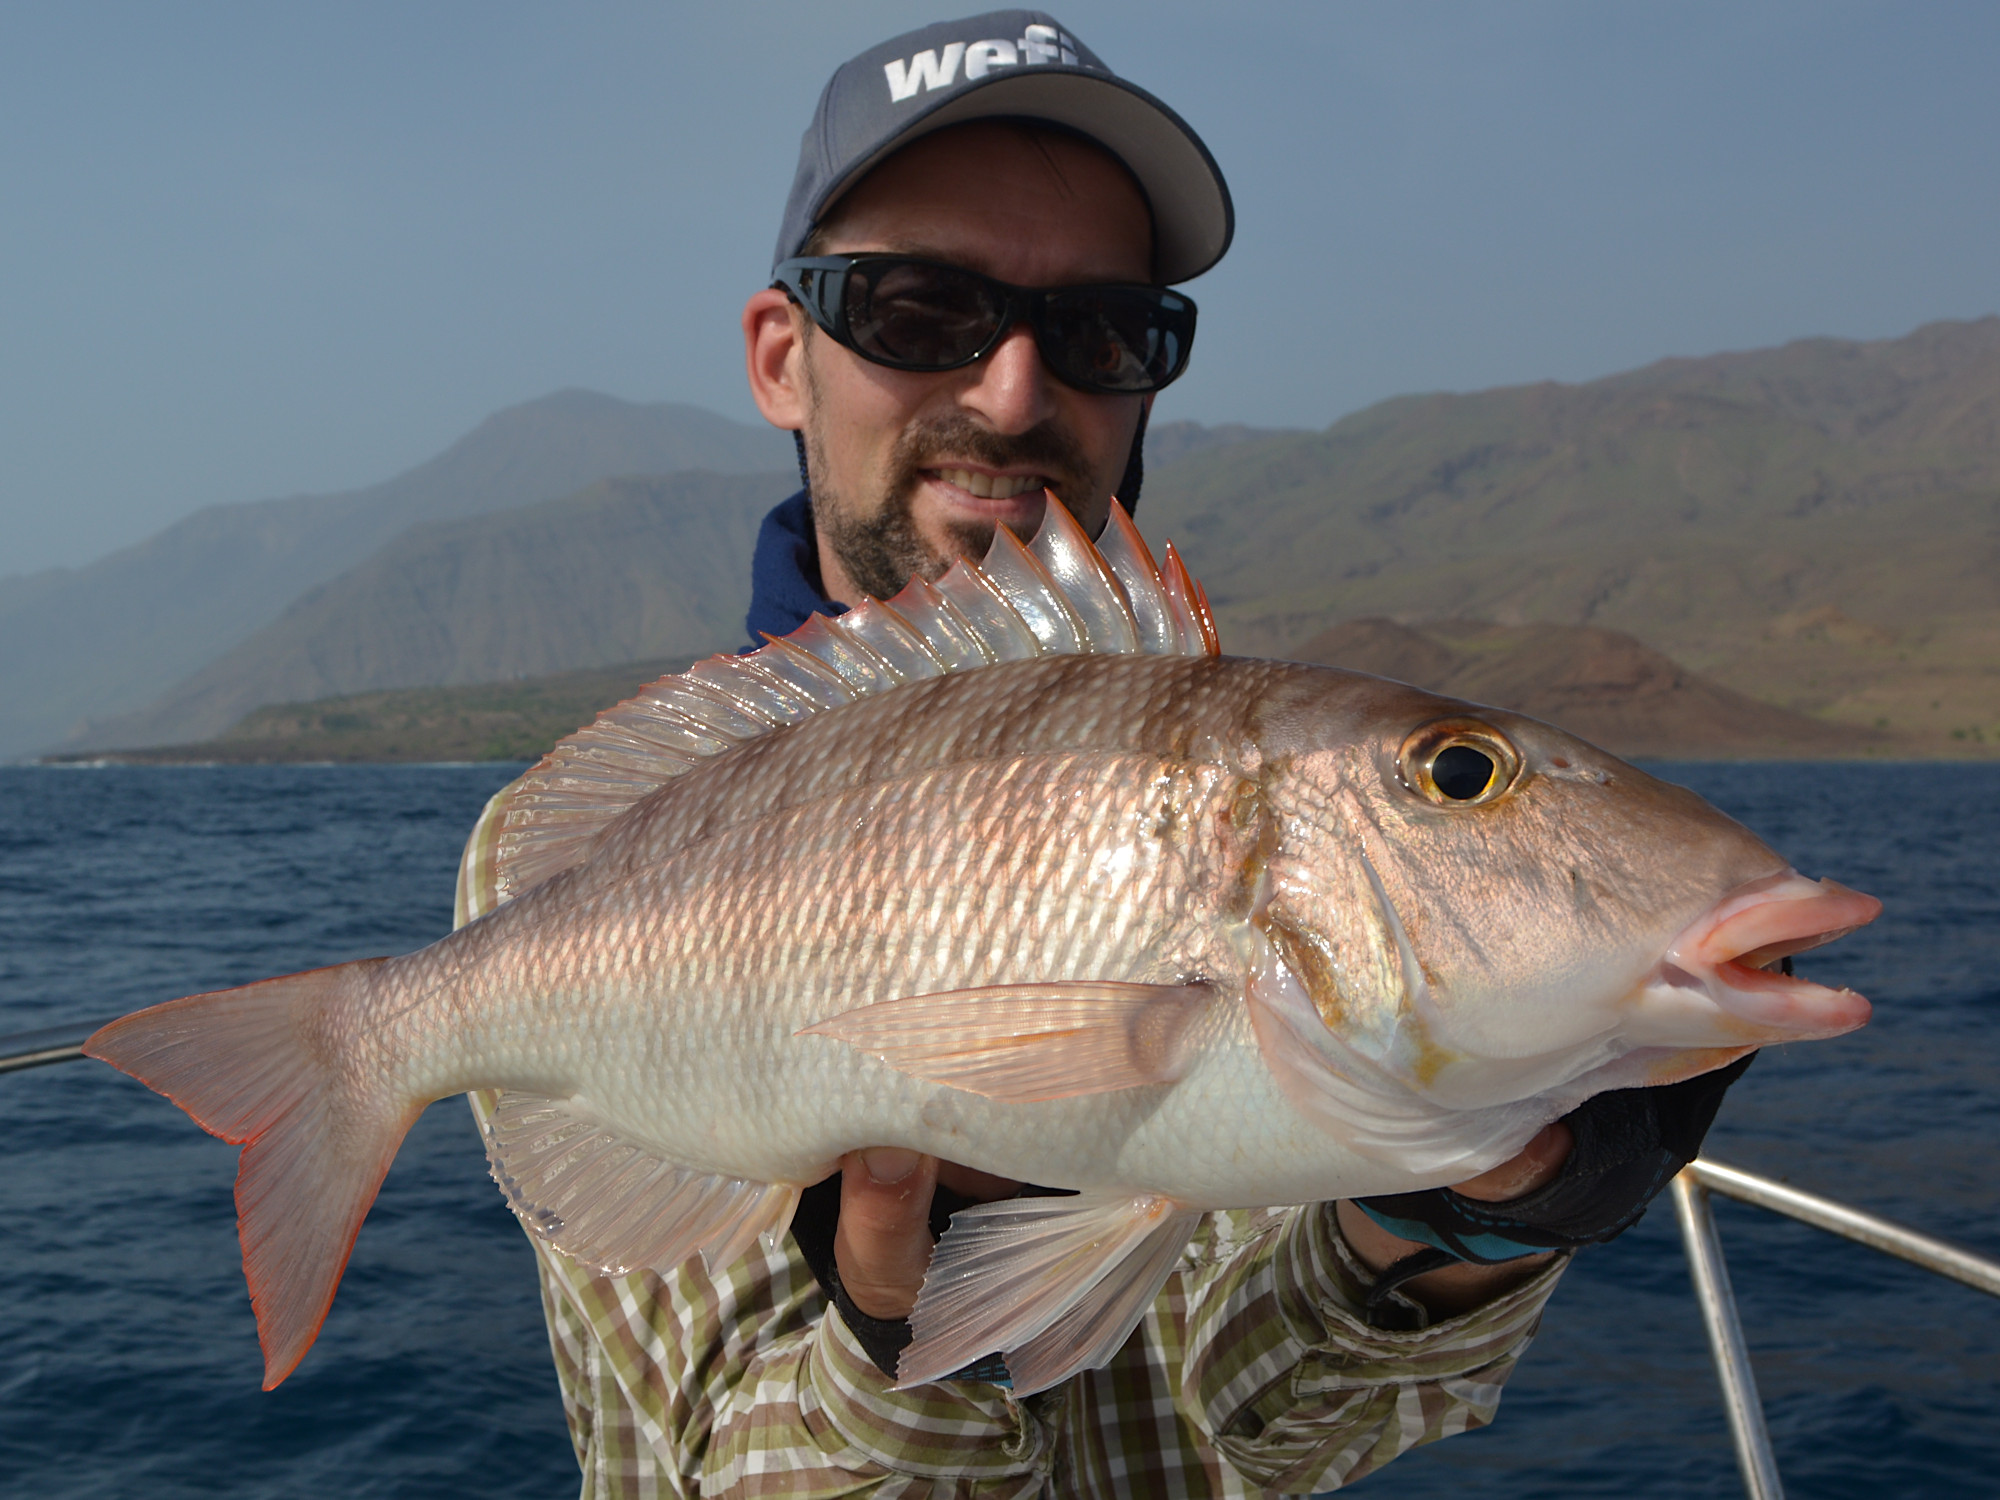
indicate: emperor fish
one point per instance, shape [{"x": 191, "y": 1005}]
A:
[{"x": 1015, "y": 869}]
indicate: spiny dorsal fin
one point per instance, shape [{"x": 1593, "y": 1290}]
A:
[{"x": 1059, "y": 595}]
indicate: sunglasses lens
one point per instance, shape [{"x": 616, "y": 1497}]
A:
[
  {"x": 921, "y": 316},
  {"x": 1115, "y": 338}
]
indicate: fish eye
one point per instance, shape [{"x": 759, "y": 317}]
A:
[
  {"x": 1461, "y": 772},
  {"x": 1458, "y": 763}
]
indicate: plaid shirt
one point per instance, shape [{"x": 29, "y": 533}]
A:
[{"x": 1254, "y": 1372}]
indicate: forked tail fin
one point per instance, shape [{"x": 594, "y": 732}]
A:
[{"x": 251, "y": 1066}]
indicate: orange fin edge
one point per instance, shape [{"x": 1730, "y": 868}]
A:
[{"x": 314, "y": 1153}]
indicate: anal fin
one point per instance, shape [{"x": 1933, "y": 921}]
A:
[
  {"x": 613, "y": 1205},
  {"x": 1055, "y": 1284},
  {"x": 1024, "y": 1043}
]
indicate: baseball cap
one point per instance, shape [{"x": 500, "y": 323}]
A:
[{"x": 1009, "y": 64}]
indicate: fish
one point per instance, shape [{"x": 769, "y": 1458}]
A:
[{"x": 1019, "y": 870}]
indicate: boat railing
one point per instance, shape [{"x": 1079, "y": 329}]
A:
[
  {"x": 52, "y": 1044},
  {"x": 1691, "y": 1190}
]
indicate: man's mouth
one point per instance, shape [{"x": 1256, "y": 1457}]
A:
[{"x": 991, "y": 486}]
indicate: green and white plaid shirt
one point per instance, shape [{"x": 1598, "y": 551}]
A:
[{"x": 1254, "y": 1372}]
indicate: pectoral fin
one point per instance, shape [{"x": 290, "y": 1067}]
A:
[
  {"x": 1023, "y": 1043},
  {"x": 1361, "y": 1103},
  {"x": 1055, "y": 1284}
]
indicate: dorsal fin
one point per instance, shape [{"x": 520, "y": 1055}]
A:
[{"x": 1059, "y": 595}]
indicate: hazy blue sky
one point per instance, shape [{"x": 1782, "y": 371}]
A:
[{"x": 262, "y": 248}]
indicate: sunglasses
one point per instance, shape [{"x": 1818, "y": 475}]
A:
[{"x": 913, "y": 314}]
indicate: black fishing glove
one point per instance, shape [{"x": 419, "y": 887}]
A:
[
  {"x": 882, "y": 1339},
  {"x": 1629, "y": 1145}
]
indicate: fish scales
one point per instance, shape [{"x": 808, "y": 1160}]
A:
[
  {"x": 945, "y": 874},
  {"x": 1158, "y": 704},
  {"x": 1173, "y": 930}
]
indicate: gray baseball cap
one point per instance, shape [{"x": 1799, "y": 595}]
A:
[{"x": 1019, "y": 64}]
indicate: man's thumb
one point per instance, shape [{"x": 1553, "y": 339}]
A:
[{"x": 883, "y": 1244}]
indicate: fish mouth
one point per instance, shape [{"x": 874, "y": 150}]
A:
[{"x": 1736, "y": 953}]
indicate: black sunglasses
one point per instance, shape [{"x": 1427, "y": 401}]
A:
[{"x": 914, "y": 314}]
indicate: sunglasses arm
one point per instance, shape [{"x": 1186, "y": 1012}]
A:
[{"x": 818, "y": 284}]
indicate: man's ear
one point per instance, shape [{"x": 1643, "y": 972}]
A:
[{"x": 774, "y": 356}]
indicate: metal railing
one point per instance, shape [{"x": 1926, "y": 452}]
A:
[
  {"x": 1691, "y": 1192},
  {"x": 1718, "y": 1304},
  {"x": 52, "y": 1044}
]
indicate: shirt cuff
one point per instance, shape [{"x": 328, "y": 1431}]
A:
[
  {"x": 949, "y": 1429},
  {"x": 1302, "y": 1394},
  {"x": 1345, "y": 1350}
]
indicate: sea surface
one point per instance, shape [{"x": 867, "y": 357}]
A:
[{"x": 129, "y": 1361}]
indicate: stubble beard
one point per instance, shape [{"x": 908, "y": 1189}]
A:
[{"x": 880, "y": 546}]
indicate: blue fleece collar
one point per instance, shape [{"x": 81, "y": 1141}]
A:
[{"x": 785, "y": 589}]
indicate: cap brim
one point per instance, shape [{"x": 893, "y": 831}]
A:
[{"x": 1193, "y": 218}]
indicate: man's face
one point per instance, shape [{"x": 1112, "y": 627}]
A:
[{"x": 910, "y": 471}]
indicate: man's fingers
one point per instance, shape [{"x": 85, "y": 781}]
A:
[
  {"x": 1539, "y": 1160},
  {"x": 883, "y": 1244}
]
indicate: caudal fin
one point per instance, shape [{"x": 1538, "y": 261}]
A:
[{"x": 251, "y": 1065}]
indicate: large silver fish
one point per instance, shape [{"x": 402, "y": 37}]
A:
[{"x": 1016, "y": 871}]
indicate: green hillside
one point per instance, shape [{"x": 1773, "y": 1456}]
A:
[
  {"x": 1607, "y": 687},
  {"x": 517, "y": 720}
]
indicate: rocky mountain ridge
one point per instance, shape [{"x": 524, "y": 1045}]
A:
[{"x": 1816, "y": 528}]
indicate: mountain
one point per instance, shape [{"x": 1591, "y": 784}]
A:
[
  {"x": 517, "y": 720},
  {"x": 1604, "y": 686},
  {"x": 1607, "y": 687},
  {"x": 81, "y": 645},
  {"x": 1816, "y": 526},
  {"x": 628, "y": 569},
  {"x": 1170, "y": 442}
]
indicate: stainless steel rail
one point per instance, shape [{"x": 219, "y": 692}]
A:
[
  {"x": 52, "y": 1044},
  {"x": 1754, "y": 1458},
  {"x": 1718, "y": 1304},
  {"x": 1851, "y": 1223}
]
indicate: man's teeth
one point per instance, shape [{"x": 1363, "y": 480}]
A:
[{"x": 992, "y": 486}]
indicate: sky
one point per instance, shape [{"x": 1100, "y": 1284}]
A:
[{"x": 258, "y": 249}]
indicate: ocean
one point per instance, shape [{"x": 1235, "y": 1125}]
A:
[{"x": 131, "y": 1366}]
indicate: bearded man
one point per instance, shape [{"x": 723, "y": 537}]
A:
[{"x": 972, "y": 305}]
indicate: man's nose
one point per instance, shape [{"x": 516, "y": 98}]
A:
[{"x": 1011, "y": 389}]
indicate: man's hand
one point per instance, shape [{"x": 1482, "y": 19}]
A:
[
  {"x": 883, "y": 1242},
  {"x": 1462, "y": 1287},
  {"x": 1584, "y": 1180}
]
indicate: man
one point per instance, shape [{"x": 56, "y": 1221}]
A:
[{"x": 969, "y": 306}]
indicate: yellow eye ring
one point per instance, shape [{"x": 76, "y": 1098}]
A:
[{"x": 1458, "y": 763}]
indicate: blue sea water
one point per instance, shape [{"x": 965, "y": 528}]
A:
[{"x": 128, "y": 1357}]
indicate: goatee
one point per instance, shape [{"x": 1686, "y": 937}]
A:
[{"x": 881, "y": 548}]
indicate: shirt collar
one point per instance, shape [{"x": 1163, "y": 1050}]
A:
[{"x": 785, "y": 587}]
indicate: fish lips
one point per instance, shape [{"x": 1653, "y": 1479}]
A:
[{"x": 1724, "y": 958}]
